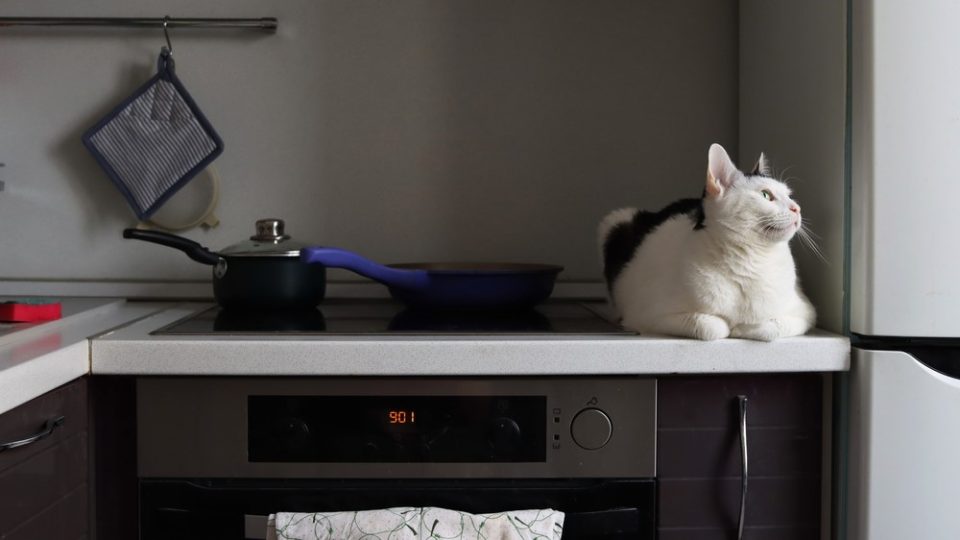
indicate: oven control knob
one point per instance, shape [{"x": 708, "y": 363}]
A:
[{"x": 591, "y": 429}]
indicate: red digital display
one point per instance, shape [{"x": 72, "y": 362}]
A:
[
  {"x": 396, "y": 429},
  {"x": 402, "y": 417}
]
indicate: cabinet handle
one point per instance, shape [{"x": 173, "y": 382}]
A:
[
  {"x": 48, "y": 428},
  {"x": 743, "y": 462}
]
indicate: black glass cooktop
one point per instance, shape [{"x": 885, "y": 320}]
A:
[{"x": 389, "y": 318}]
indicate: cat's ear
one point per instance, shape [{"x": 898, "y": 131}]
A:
[
  {"x": 721, "y": 172},
  {"x": 762, "y": 168}
]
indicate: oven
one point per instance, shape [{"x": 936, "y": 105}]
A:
[{"x": 216, "y": 455}]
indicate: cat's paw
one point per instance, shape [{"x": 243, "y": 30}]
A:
[
  {"x": 765, "y": 331},
  {"x": 710, "y": 327}
]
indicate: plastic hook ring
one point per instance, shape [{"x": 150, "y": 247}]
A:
[{"x": 207, "y": 218}]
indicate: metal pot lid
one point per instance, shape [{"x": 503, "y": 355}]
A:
[{"x": 270, "y": 241}]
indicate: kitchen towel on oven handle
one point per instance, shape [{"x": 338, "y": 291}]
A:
[
  {"x": 416, "y": 523},
  {"x": 155, "y": 141}
]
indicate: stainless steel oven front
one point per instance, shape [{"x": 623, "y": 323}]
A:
[{"x": 216, "y": 454}]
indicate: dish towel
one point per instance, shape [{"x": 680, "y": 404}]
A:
[{"x": 416, "y": 523}]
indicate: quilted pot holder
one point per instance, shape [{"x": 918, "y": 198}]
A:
[{"x": 154, "y": 142}]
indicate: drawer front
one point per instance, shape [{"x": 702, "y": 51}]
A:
[
  {"x": 708, "y": 402},
  {"x": 699, "y": 462},
  {"x": 69, "y": 401},
  {"x": 45, "y": 483},
  {"x": 66, "y": 520}
]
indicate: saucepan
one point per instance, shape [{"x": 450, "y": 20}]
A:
[
  {"x": 449, "y": 286},
  {"x": 264, "y": 272}
]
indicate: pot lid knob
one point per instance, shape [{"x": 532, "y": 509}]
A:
[{"x": 270, "y": 230}]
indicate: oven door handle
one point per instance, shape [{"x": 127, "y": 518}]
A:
[{"x": 616, "y": 522}]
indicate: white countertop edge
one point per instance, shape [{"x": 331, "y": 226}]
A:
[
  {"x": 132, "y": 350},
  {"x": 45, "y": 356},
  {"x": 466, "y": 357},
  {"x": 27, "y": 380},
  {"x": 74, "y": 310}
]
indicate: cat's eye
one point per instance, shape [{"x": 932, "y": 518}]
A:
[{"x": 767, "y": 195}]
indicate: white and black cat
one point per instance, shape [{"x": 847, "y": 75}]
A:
[{"x": 715, "y": 267}]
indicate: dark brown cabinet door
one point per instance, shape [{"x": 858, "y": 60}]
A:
[
  {"x": 699, "y": 462},
  {"x": 44, "y": 483}
]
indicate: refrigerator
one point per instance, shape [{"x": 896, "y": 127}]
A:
[{"x": 903, "y": 463}]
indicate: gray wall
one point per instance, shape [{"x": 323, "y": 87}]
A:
[
  {"x": 410, "y": 130},
  {"x": 792, "y": 104}
]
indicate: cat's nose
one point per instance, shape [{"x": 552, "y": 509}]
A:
[{"x": 794, "y": 208}]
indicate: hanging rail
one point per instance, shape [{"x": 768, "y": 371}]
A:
[{"x": 264, "y": 23}]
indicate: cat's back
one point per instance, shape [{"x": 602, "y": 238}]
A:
[{"x": 661, "y": 234}]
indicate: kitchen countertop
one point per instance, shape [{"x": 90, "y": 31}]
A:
[
  {"x": 36, "y": 358},
  {"x": 69, "y": 309},
  {"x": 132, "y": 350},
  {"x": 113, "y": 337}
]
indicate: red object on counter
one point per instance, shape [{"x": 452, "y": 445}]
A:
[{"x": 19, "y": 312}]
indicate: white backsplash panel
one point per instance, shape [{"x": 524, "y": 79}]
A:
[{"x": 407, "y": 131}]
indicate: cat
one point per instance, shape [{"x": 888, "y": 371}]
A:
[{"x": 710, "y": 268}]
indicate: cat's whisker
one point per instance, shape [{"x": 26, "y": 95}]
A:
[
  {"x": 816, "y": 250},
  {"x": 807, "y": 230},
  {"x": 812, "y": 236},
  {"x": 769, "y": 224},
  {"x": 783, "y": 173},
  {"x": 766, "y": 219},
  {"x": 807, "y": 240}
]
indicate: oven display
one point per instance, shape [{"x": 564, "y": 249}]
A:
[
  {"x": 402, "y": 417},
  {"x": 396, "y": 429}
]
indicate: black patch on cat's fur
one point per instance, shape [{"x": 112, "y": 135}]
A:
[
  {"x": 698, "y": 215},
  {"x": 624, "y": 239}
]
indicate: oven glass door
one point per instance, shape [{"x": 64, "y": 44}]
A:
[{"x": 606, "y": 509}]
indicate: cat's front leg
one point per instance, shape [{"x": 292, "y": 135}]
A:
[
  {"x": 772, "y": 329},
  {"x": 696, "y": 325},
  {"x": 765, "y": 331}
]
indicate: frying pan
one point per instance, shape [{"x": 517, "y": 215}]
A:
[{"x": 449, "y": 286}]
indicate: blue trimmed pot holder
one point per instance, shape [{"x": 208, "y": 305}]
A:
[{"x": 154, "y": 142}]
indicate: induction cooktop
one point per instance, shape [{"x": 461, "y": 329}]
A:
[{"x": 382, "y": 317}]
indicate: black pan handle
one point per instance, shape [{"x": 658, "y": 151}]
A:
[{"x": 193, "y": 250}]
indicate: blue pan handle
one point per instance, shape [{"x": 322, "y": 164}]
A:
[{"x": 391, "y": 277}]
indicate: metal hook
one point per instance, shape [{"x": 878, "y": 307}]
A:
[{"x": 166, "y": 21}]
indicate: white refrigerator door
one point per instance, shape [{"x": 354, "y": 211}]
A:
[
  {"x": 905, "y": 243},
  {"x": 904, "y": 461}
]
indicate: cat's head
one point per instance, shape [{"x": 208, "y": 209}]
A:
[{"x": 752, "y": 207}]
